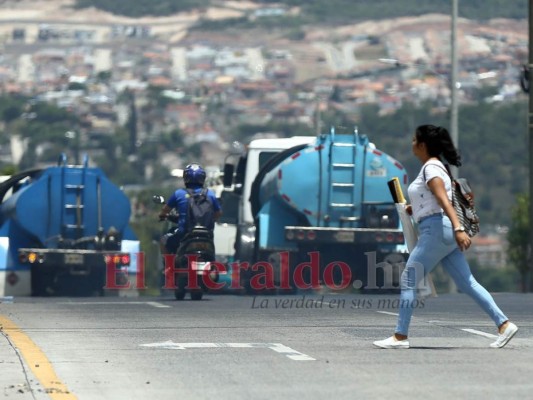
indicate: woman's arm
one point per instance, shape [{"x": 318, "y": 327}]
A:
[{"x": 436, "y": 185}]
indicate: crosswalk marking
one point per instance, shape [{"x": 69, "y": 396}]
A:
[
  {"x": 388, "y": 313},
  {"x": 480, "y": 333},
  {"x": 277, "y": 347},
  {"x": 107, "y": 303}
]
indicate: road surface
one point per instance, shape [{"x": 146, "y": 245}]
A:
[{"x": 310, "y": 346}]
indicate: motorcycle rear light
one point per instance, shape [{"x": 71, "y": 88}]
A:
[
  {"x": 198, "y": 246},
  {"x": 311, "y": 235}
]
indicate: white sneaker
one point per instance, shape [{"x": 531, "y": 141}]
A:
[
  {"x": 392, "y": 343},
  {"x": 503, "y": 338}
]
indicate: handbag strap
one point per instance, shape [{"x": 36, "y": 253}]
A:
[{"x": 448, "y": 171}]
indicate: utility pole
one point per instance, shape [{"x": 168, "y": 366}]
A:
[
  {"x": 530, "y": 128},
  {"x": 454, "y": 111},
  {"x": 454, "y": 107}
]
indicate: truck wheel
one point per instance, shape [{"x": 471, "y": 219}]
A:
[
  {"x": 39, "y": 283},
  {"x": 179, "y": 294},
  {"x": 197, "y": 295}
]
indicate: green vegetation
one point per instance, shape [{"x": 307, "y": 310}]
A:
[
  {"x": 518, "y": 237},
  {"x": 37, "y": 123},
  {"x": 148, "y": 229},
  {"x": 356, "y": 10},
  {"x": 328, "y": 11},
  {"x": 140, "y": 8},
  {"x": 245, "y": 132},
  {"x": 492, "y": 144}
]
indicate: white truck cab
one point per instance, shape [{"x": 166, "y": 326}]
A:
[
  {"x": 238, "y": 180},
  {"x": 259, "y": 152}
]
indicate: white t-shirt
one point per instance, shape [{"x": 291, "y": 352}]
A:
[{"x": 423, "y": 202}]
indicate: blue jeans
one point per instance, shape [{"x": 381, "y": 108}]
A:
[{"x": 436, "y": 243}]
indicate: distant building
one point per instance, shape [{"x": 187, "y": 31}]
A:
[{"x": 270, "y": 12}]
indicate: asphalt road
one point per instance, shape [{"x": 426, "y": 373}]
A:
[{"x": 270, "y": 347}]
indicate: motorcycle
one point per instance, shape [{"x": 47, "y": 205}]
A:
[{"x": 193, "y": 262}]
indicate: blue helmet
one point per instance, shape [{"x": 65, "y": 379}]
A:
[{"x": 193, "y": 175}]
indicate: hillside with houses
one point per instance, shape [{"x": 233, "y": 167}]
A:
[{"x": 144, "y": 96}]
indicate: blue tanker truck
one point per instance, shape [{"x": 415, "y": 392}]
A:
[
  {"x": 61, "y": 229},
  {"x": 311, "y": 211}
]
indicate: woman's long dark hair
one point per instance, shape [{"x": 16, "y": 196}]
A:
[{"x": 438, "y": 143}]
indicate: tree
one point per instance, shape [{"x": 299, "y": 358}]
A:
[
  {"x": 518, "y": 237},
  {"x": 11, "y": 113}
]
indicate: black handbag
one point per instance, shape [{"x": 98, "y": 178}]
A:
[{"x": 463, "y": 202}]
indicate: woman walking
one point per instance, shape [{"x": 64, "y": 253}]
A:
[{"x": 441, "y": 237}]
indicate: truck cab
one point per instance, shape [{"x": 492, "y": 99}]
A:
[{"x": 238, "y": 182}]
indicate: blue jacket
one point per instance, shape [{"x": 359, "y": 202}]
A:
[{"x": 179, "y": 201}]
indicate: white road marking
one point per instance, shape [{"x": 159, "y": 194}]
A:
[
  {"x": 277, "y": 347},
  {"x": 101, "y": 303},
  {"x": 388, "y": 313},
  {"x": 290, "y": 353},
  {"x": 439, "y": 322},
  {"x": 480, "y": 333},
  {"x": 156, "y": 304}
]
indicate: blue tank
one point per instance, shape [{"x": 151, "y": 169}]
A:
[
  {"x": 67, "y": 203},
  {"x": 68, "y": 217},
  {"x": 336, "y": 187}
]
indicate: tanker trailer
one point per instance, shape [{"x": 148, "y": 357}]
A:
[
  {"x": 324, "y": 215},
  {"x": 64, "y": 230}
]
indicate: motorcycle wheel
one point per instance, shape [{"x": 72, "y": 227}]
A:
[
  {"x": 197, "y": 295},
  {"x": 179, "y": 292}
]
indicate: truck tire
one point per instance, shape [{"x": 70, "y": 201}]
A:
[
  {"x": 197, "y": 295},
  {"x": 38, "y": 283},
  {"x": 44, "y": 284}
]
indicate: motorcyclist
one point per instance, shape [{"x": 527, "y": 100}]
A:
[{"x": 194, "y": 177}]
